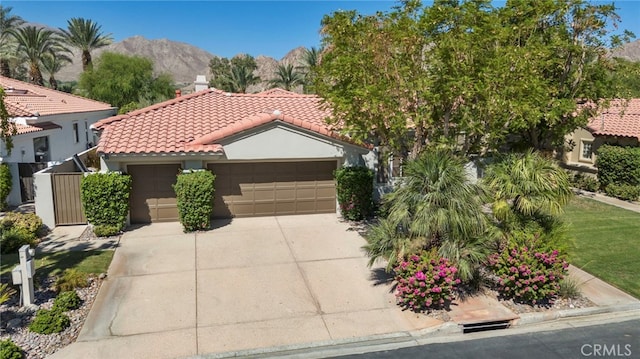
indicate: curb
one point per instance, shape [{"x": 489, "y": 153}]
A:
[{"x": 397, "y": 340}]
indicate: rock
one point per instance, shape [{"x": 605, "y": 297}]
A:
[
  {"x": 14, "y": 323},
  {"x": 102, "y": 276}
]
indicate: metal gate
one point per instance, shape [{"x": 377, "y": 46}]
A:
[{"x": 66, "y": 198}]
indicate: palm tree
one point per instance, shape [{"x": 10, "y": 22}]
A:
[
  {"x": 286, "y": 77},
  {"x": 7, "y": 24},
  {"x": 240, "y": 78},
  {"x": 33, "y": 44},
  {"x": 308, "y": 64},
  {"x": 85, "y": 35},
  {"x": 435, "y": 206},
  {"x": 53, "y": 62}
]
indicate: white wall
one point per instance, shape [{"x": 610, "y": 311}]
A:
[{"x": 44, "y": 198}]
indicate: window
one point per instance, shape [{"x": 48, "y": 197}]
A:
[
  {"x": 41, "y": 149},
  {"x": 86, "y": 132},
  {"x": 586, "y": 151},
  {"x": 76, "y": 134}
]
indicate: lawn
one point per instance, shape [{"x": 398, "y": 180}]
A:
[
  {"x": 89, "y": 262},
  {"x": 607, "y": 242}
]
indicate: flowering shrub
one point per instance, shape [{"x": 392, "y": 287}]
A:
[
  {"x": 425, "y": 281},
  {"x": 528, "y": 276}
]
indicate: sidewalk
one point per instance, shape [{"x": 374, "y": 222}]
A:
[
  {"x": 631, "y": 206},
  {"x": 75, "y": 238}
]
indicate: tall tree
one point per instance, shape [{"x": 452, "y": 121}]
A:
[
  {"x": 466, "y": 72},
  {"x": 33, "y": 44},
  {"x": 53, "y": 62},
  {"x": 239, "y": 80},
  {"x": 235, "y": 74},
  {"x": 86, "y": 36},
  {"x": 7, "y": 128},
  {"x": 121, "y": 80},
  {"x": 8, "y": 23},
  {"x": 307, "y": 67},
  {"x": 286, "y": 77}
]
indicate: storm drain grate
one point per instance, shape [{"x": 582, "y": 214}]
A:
[{"x": 484, "y": 326}]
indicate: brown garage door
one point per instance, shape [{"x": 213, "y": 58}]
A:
[
  {"x": 265, "y": 189},
  {"x": 152, "y": 197}
]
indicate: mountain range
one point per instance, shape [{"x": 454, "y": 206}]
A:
[{"x": 181, "y": 60}]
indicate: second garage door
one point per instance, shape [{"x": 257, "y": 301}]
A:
[
  {"x": 152, "y": 196},
  {"x": 273, "y": 188}
]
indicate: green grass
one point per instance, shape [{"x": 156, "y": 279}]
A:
[
  {"x": 607, "y": 242},
  {"x": 89, "y": 262}
]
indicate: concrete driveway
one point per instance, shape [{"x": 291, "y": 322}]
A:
[{"x": 251, "y": 283}]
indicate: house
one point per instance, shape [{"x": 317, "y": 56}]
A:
[
  {"x": 272, "y": 153},
  {"x": 618, "y": 124},
  {"x": 51, "y": 127}
]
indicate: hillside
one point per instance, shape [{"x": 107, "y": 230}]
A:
[
  {"x": 181, "y": 60},
  {"x": 630, "y": 51}
]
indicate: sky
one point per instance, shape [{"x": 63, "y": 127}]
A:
[{"x": 225, "y": 28}]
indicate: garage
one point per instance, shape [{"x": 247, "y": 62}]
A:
[
  {"x": 273, "y": 188},
  {"x": 152, "y": 196}
]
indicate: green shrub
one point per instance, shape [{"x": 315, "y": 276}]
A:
[
  {"x": 12, "y": 239},
  {"x": 623, "y": 191},
  {"x": 425, "y": 281},
  {"x": 105, "y": 198},
  {"x": 587, "y": 183},
  {"x": 618, "y": 165},
  {"x": 6, "y": 292},
  {"x": 105, "y": 230},
  {"x": 68, "y": 300},
  {"x": 49, "y": 321},
  {"x": 354, "y": 187},
  {"x": 9, "y": 350},
  {"x": 194, "y": 193},
  {"x": 70, "y": 280},
  {"x": 5, "y": 184},
  {"x": 528, "y": 276},
  {"x": 30, "y": 222}
]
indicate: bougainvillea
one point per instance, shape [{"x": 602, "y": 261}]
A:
[
  {"x": 425, "y": 281},
  {"x": 528, "y": 276}
]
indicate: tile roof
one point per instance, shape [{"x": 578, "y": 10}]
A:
[
  {"x": 22, "y": 129},
  {"x": 621, "y": 118},
  {"x": 197, "y": 122},
  {"x": 26, "y": 100}
]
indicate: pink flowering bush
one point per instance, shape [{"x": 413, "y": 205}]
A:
[
  {"x": 528, "y": 276},
  {"x": 425, "y": 281}
]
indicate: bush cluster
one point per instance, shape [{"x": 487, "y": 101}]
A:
[
  {"x": 354, "y": 188},
  {"x": 5, "y": 184},
  {"x": 71, "y": 279},
  {"x": 18, "y": 229},
  {"x": 68, "y": 300},
  {"x": 194, "y": 193},
  {"x": 105, "y": 199},
  {"x": 49, "y": 321},
  {"x": 625, "y": 192},
  {"x": 9, "y": 350},
  {"x": 528, "y": 276},
  {"x": 587, "y": 183},
  {"x": 618, "y": 165},
  {"x": 425, "y": 281}
]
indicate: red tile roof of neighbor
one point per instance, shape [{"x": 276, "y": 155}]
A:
[
  {"x": 197, "y": 122},
  {"x": 621, "y": 118},
  {"x": 22, "y": 129},
  {"x": 26, "y": 100}
]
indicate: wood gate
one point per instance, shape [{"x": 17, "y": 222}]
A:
[{"x": 66, "y": 198}]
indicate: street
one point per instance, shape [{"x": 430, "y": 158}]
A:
[{"x": 612, "y": 340}]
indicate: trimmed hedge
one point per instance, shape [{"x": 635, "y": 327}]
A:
[
  {"x": 49, "y": 321},
  {"x": 623, "y": 191},
  {"x": 194, "y": 194},
  {"x": 105, "y": 198},
  {"x": 5, "y": 184},
  {"x": 618, "y": 165},
  {"x": 354, "y": 187}
]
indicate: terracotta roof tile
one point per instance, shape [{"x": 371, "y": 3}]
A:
[
  {"x": 22, "y": 129},
  {"x": 26, "y": 100},
  {"x": 197, "y": 122},
  {"x": 621, "y": 118}
]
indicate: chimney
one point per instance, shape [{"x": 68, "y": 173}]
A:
[
  {"x": 201, "y": 83},
  {"x": 178, "y": 93}
]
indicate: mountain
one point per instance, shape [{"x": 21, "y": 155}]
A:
[
  {"x": 181, "y": 60},
  {"x": 630, "y": 51}
]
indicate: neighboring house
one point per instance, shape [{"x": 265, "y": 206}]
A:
[
  {"x": 51, "y": 127},
  {"x": 619, "y": 124},
  {"x": 272, "y": 153}
]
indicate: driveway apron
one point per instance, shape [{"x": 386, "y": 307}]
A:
[{"x": 247, "y": 284}]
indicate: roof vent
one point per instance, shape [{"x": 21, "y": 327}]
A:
[{"x": 277, "y": 113}]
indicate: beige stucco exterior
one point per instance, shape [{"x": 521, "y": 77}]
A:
[{"x": 576, "y": 146}]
